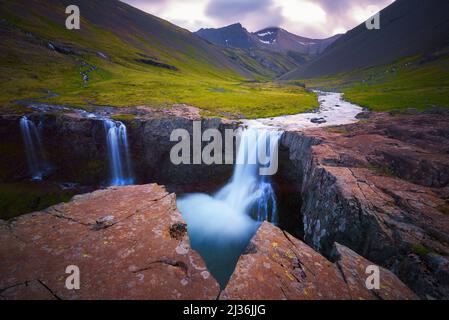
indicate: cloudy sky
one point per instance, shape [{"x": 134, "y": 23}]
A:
[{"x": 310, "y": 18}]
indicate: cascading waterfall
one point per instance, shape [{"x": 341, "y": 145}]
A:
[
  {"x": 118, "y": 153},
  {"x": 249, "y": 192},
  {"x": 221, "y": 226},
  {"x": 33, "y": 148}
]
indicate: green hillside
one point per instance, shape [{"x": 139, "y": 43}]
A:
[
  {"x": 419, "y": 82},
  {"x": 127, "y": 58}
]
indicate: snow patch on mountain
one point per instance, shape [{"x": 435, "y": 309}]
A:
[{"x": 263, "y": 34}]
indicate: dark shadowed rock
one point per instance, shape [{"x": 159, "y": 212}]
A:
[
  {"x": 282, "y": 267},
  {"x": 318, "y": 120},
  {"x": 141, "y": 250},
  {"x": 364, "y": 115},
  {"x": 157, "y": 64}
]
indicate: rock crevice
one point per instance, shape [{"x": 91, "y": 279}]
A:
[
  {"x": 284, "y": 267},
  {"x": 354, "y": 192}
]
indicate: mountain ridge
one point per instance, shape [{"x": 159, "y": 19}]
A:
[
  {"x": 408, "y": 27},
  {"x": 272, "y": 51},
  {"x": 237, "y": 36}
]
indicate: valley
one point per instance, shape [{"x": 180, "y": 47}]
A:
[
  {"x": 339, "y": 157},
  {"x": 204, "y": 77}
]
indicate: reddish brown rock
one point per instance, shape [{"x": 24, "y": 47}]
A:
[
  {"x": 353, "y": 268},
  {"x": 380, "y": 187},
  {"x": 121, "y": 239},
  {"x": 279, "y": 266}
]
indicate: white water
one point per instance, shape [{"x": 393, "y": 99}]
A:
[
  {"x": 333, "y": 109},
  {"x": 116, "y": 138},
  {"x": 118, "y": 153},
  {"x": 33, "y": 148},
  {"x": 249, "y": 192},
  {"x": 220, "y": 226}
]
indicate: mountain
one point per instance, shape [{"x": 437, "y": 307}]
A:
[
  {"x": 271, "y": 39},
  {"x": 234, "y": 35},
  {"x": 408, "y": 27},
  {"x": 278, "y": 39},
  {"x": 269, "y": 52}
]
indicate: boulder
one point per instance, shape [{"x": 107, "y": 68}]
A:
[
  {"x": 318, "y": 120},
  {"x": 128, "y": 243},
  {"x": 277, "y": 266}
]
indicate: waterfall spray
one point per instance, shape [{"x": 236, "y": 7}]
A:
[
  {"x": 249, "y": 192},
  {"x": 33, "y": 148},
  {"x": 118, "y": 153},
  {"x": 221, "y": 226}
]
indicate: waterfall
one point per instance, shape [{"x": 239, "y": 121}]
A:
[
  {"x": 118, "y": 153},
  {"x": 249, "y": 192},
  {"x": 220, "y": 226},
  {"x": 33, "y": 148}
]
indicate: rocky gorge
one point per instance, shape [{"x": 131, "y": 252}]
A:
[
  {"x": 376, "y": 190},
  {"x": 131, "y": 243}
]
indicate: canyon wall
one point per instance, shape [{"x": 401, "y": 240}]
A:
[
  {"x": 76, "y": 150},
  {"x": 378, "y": 187},
  {"x": 354, "y": 192}
]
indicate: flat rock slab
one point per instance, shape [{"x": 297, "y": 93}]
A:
[
  {"x": 128, "y": 243},
  {"x": 278, "y": 266}
]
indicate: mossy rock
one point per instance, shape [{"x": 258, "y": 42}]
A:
[
  {"x": 24, "y": 197},
  {"x": 420, "y": 249},
  {"x": 123, "y": 117}
]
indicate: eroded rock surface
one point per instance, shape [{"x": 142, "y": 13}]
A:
[
  {"x": 380, "y": 187},
  {"x": 128, "y": 242},
  {"x": 278, "y": 266}
]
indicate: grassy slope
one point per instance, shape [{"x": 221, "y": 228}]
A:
[
  {"x": 263, "y": 64},
  {"x": 414, "y": 82},
  {"x": 23, "y": 197},
  {"x": 28, "y": 69}
]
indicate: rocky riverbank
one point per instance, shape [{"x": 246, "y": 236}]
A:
[{"x": 378, "y": 187}]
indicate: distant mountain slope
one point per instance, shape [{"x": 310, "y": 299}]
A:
[
  {"x": 234, "y": 35},
  {"x": 278, "y": 39},
  {"x": 408, "y": 27},
  {"x": 271, "y": 51},
  {"x": 125, "y": 26},
  {"x": 273, "y": 39}
]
